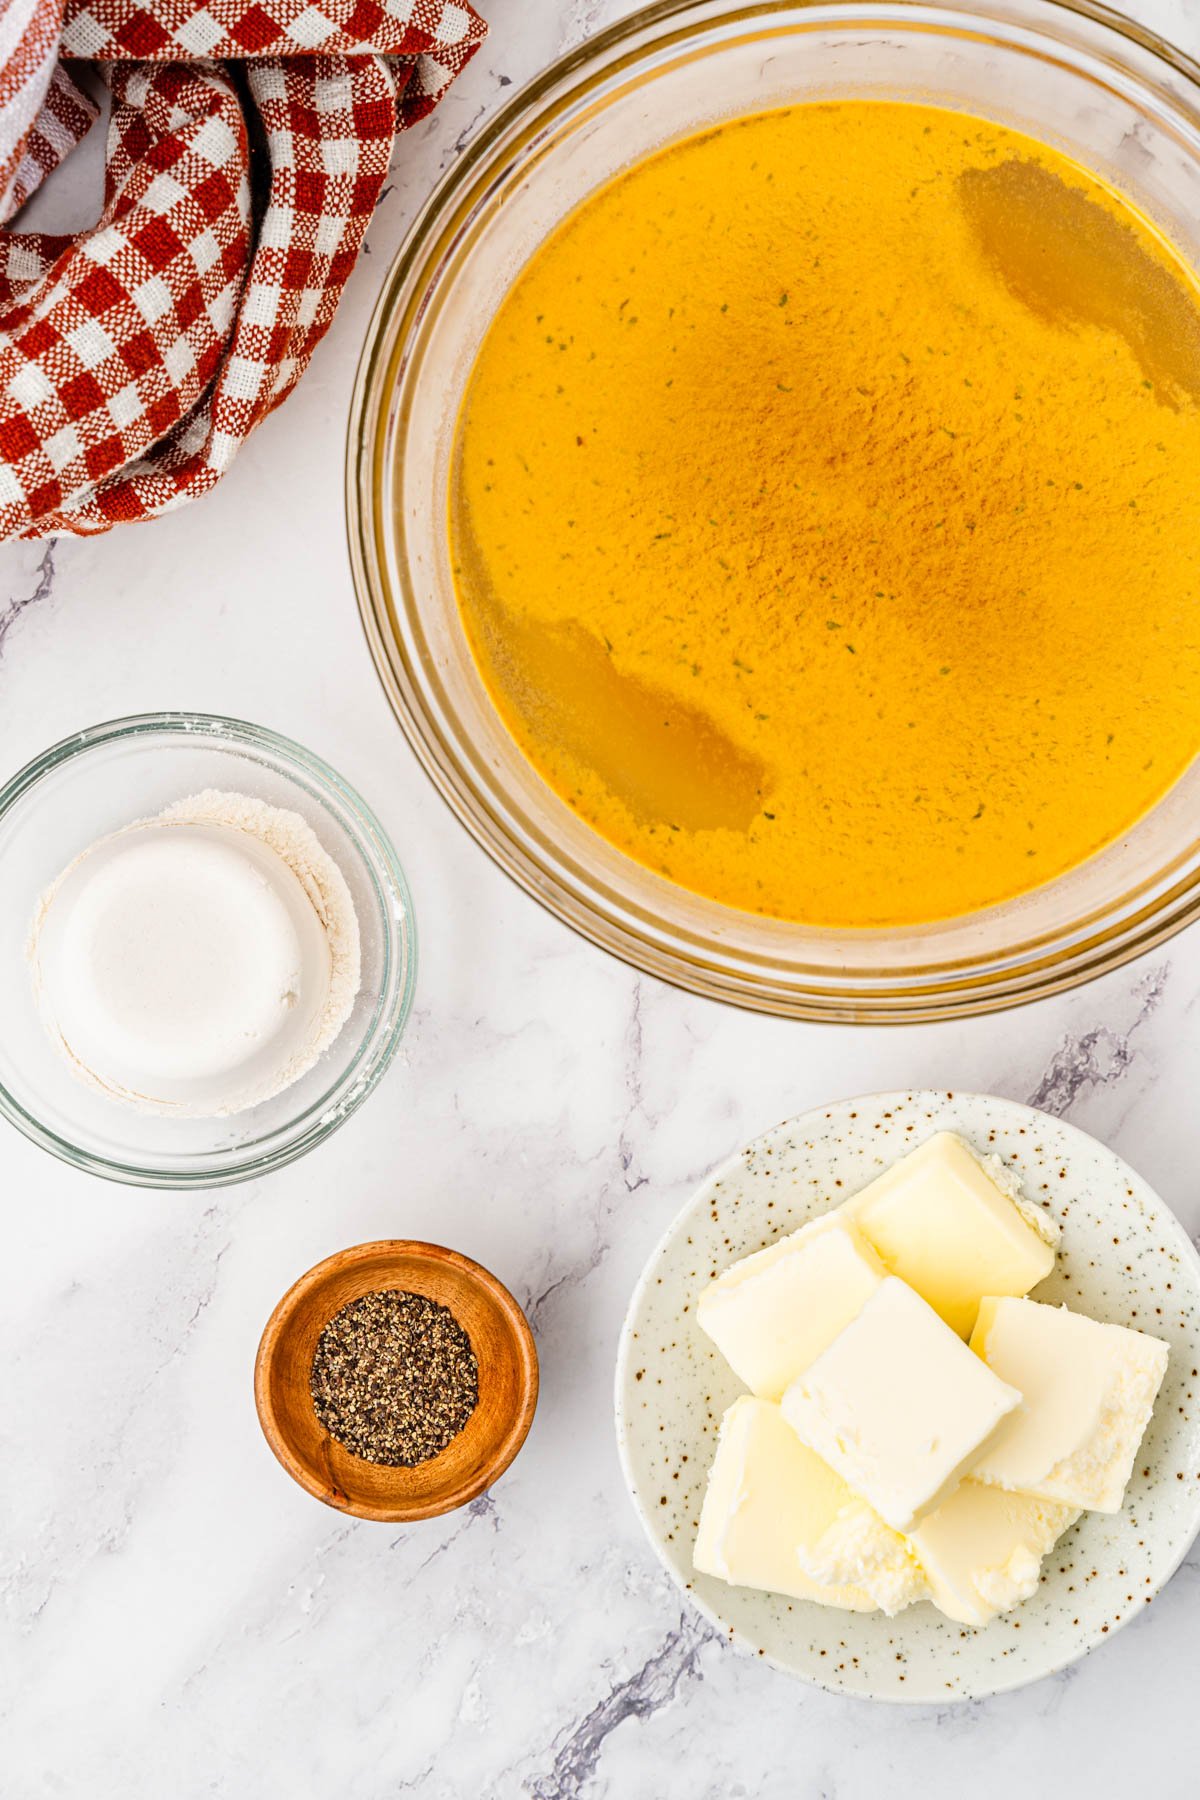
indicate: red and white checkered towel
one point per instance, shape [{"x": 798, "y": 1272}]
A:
[{"x": 248, "y": 144}]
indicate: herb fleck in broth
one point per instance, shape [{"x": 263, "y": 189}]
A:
[{"x": 826, "y": 513}]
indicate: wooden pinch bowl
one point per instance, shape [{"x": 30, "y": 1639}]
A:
[{"x": 508, "y": 1381}]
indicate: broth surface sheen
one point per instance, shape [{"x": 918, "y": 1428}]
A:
[{"x": 825, "y": 513}]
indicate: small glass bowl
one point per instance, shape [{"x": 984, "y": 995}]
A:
[
  {"x": 106, "y": 777},
  {"x": 1069, "y": 72}
]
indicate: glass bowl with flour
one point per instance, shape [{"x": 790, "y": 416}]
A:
[{"x": 207, "y": 950}]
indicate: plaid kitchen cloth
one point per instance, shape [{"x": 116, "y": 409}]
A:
[{"x": 248, "y": 143}]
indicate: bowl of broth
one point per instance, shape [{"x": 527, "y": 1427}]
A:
[{"x": 774, "y": 491}]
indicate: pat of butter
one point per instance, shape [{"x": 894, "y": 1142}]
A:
[
  {"x": 770, "y": 1502},
  {"x": 981, "y": 1552},
  {"x": 1089, "y": 1390},
  {"x": 772, "y": 1313},
  {"x": 955, "y": 1227},
  {"x": 897, "y": 1407},
  {"x": 859, "y": 1550}
]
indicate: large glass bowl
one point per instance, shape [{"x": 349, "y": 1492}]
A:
[
  {"x": 106, "y": 777},
  {"x": 1078, "y": 77}
]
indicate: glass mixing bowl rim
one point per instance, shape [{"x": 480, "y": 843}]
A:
[
  {"x": 1064, "y": 956},
  {"x": 379, "y": 1040}
]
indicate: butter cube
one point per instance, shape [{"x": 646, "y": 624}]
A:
[
  {"x": 770, "y": 1501},
  {"x": 896, "y": 1405},
  {"x": 982, "y": 1550},
  {"x": 859, "y": 1550},
  {"x": 955, "y": 1228},
  {"x": 773, "y": 1312},
  {"x": 1089, "y": 1390}
]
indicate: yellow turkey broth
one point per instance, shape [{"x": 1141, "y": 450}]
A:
[{"x": 826, "y": 513}]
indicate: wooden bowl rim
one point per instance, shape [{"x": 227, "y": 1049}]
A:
[{"x": 525, "y": 1361}]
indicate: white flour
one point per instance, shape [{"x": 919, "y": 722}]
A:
[{"x": 247, "y": 1043}]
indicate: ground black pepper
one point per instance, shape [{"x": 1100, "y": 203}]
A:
[{"x": 394, "y": 1377}]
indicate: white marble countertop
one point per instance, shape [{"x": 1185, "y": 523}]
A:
[{"x": 179, "y": 1619}]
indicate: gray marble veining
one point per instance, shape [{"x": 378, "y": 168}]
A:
[
  {"x": 178, "y": 1619},
  {"x": 41, "y": 590}
]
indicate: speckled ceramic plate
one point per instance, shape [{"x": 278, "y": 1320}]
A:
[{"x": 1124, "y": 1258}]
